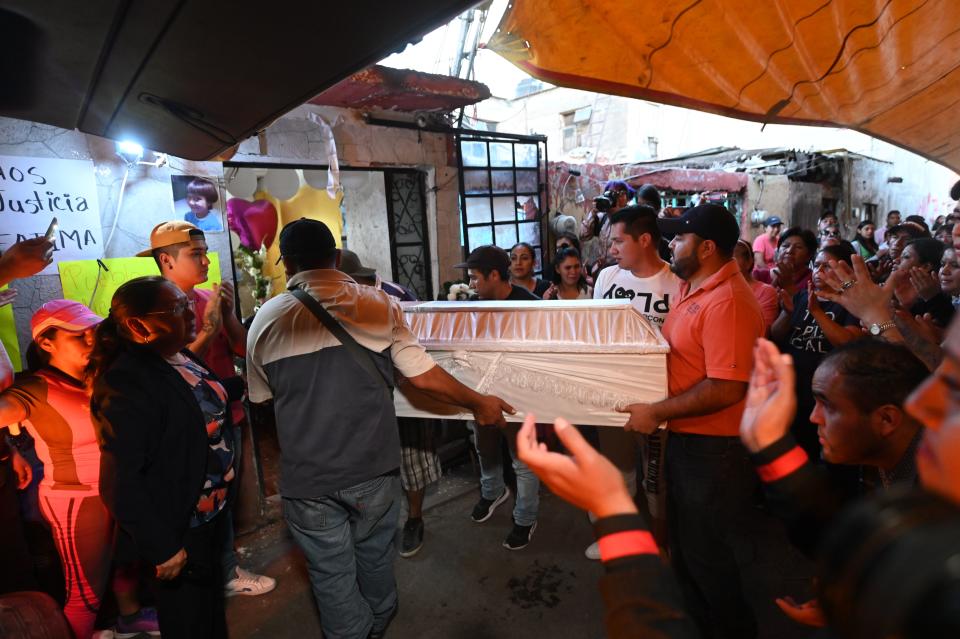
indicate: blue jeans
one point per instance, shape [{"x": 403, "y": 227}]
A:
[
  {"x": 487, "y": 439},
  {"x": 710, "y": 486},
  {"x": 347, "y": 537}
]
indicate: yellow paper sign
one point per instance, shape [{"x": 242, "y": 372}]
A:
[
  {"x": 84, "y": 280},
  {"x": 8, "y": 335}
]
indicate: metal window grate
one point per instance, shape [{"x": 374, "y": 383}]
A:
[{"x": 502, "y": 192}]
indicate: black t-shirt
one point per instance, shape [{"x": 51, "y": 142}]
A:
[
  {"x": 806, "y": 342},
  {"x": 808, "y": 345},
  {"x": 520, "y": 294}
]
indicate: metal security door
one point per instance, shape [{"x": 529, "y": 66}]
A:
[{"x": 407, "y": 222}]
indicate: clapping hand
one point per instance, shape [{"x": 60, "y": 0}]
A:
[
  {"x": 771, "y": 398},
  {"x": 786, "y": 301},
  {"x": 926, "y": 283},
  {"x": 213, "y": 313},
  {"x": 853, "y": 289},
  {"x": 227, "y": 298}
]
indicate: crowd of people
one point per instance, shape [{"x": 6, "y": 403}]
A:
[{"x": 823, "y": 368}]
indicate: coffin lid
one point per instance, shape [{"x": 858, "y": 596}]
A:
[{"x": 563, "y": 326}]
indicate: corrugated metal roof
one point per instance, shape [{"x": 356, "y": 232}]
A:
[{"x": 384, "y": 88}]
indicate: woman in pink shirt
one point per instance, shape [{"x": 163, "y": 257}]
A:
[
  {"x": 766, "y": 295},
  {"x": 53, "y": 403}
]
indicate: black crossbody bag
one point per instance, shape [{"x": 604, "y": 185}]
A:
[{"x": 361, "y": 355}]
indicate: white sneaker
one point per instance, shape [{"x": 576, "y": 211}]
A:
[
  {"x": 593, "y": 551},
  {"x": 249, "y": 584}
]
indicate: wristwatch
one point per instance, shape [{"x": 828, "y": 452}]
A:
[{"x": 877, "y": 329}]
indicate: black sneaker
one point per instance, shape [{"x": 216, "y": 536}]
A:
[
  {"x": 380, "y": 634},
  {"x": 412, "y": 540},
  {"x": 485, "y": 507},
  {"x": 519, "y": 536}
]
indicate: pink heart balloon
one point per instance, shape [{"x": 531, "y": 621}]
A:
[{"x": 255, "y": 222}]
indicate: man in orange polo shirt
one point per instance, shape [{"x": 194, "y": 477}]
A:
[{"x": 711, "y": 331}]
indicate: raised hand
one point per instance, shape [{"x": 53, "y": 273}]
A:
[
  {"x": 585, "y": 478},
  {"x": 854, "y": 290},
  {"x": 786, "y": 301},
  {"x": 25, "y": 258},
  {"x": 213, "y": 313},
  {"x": 227, "y": 297},
  {"x": 771, "y": 398},
  {"x": 925, "y": 282},
  {"x": 903, "y": 289}
]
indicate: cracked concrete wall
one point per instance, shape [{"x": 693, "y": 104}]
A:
[
  {"x": 295, "y": 139},
  {"x": 147, "y": 201}
]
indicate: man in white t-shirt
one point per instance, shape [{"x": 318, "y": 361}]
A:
[{"x": 640, "y": 276}]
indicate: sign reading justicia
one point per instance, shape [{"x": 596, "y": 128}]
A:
[{"x": 35, "y": 190}]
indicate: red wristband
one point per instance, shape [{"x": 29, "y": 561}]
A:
[
  {"x": 783, "y": 465},
  {"x": 626, "y": 543}
]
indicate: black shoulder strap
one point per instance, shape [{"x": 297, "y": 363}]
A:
[{"x": 360, "y": 354}]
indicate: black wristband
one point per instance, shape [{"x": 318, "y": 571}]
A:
[
  {"x": 618, "y": 523},
  {"x": 774, "y": 451}
]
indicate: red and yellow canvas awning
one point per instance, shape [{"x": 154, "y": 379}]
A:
[{"x": 888, "y": 68}]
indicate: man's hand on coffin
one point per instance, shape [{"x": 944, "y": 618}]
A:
[
  {"x": 585, "y": 478},
  {"x": 489, "y": 410},
  {"x": 643, "y": 418},
  {"x": 771, "y": 399}
]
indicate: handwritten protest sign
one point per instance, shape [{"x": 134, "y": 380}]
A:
[
  {"x": 35, "y": 190},
  {"x": 84, "y": 280}
]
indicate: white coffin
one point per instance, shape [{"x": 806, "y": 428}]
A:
[{"x": 579, "y": 359}]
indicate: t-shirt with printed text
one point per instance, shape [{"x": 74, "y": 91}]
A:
[{"x": 651, "y": 296}]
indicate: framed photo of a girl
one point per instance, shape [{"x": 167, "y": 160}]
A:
[{"x": 195, "y": 200}]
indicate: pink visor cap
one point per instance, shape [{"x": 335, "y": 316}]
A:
[{"x": 66, "y": 315}]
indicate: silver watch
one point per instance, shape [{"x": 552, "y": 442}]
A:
[{"x": 877, "y": 329}]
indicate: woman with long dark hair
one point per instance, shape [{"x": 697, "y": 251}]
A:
[
  {"x": 167, "y": 456},
  {"x": 864, "y": 242},
  {"x": 570, "y": 282},
  {"x": 522, "y": 264}
]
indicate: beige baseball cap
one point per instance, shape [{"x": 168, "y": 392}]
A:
[{"x": 168, "y": 233}]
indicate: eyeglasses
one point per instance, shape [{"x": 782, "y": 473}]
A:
[{"x": 178, "y": 309}]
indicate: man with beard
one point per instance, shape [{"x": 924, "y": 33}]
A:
[{"x": 711, "y": 330}]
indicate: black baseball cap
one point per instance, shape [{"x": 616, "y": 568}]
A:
[
  {"x": 709, "y": 221},
  {"x": 306, "y": 237},
  {"x": 488, "y": 257}
]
